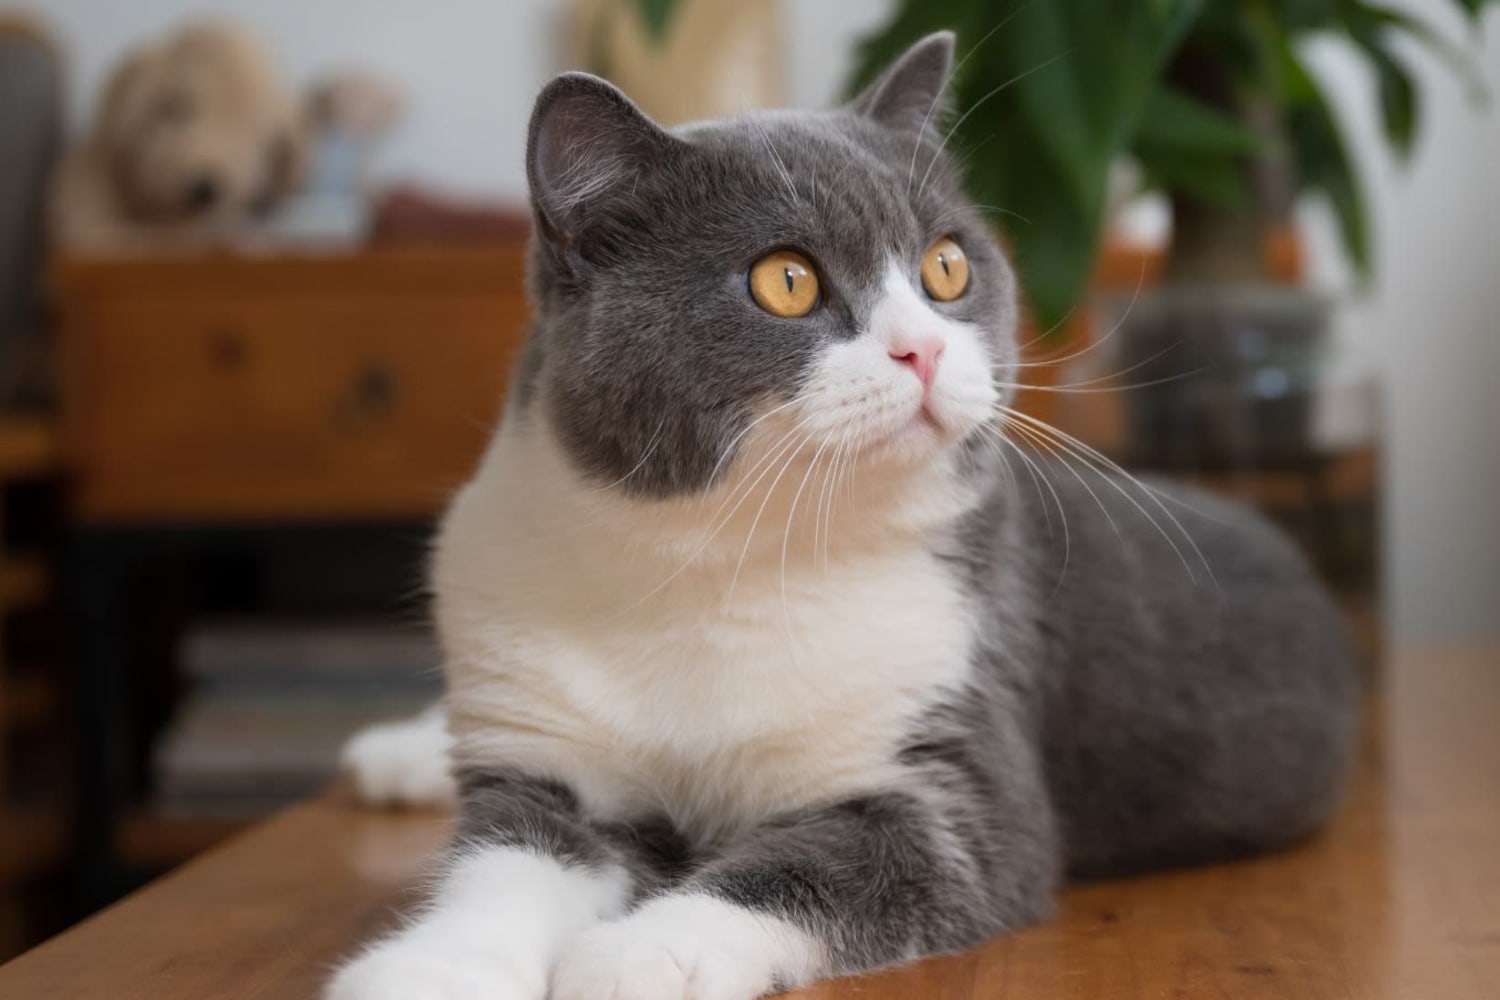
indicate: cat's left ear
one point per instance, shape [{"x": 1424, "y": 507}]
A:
[
  {"x": 908, "y": 96},
  {"x": 588, "y": 145}
]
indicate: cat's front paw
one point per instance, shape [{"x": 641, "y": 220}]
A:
[
  {"x": 688, "y": 948},
  {"x": 621, "y": 963},
  {"x": 400, "y": 970},
  {"x": 402, "y": 763}
]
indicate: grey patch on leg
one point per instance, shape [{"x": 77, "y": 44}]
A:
[
  {"x": 507, "y": 808},
  {"x": 963, "y": 849}
]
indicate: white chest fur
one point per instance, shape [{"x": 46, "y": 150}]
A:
[{"x": 759, "y": 678}]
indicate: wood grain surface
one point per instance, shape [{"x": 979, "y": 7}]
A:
[
  {"x": 1400, "y": 898},
  {"x": 284, "y": 387}
]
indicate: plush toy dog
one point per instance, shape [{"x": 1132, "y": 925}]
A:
[{"x": 194, "y": 139}]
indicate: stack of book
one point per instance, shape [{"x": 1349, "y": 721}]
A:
[{"x": 270, "y": 705}]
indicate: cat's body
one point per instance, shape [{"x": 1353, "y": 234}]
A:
[{"x": 763, "y": 665}]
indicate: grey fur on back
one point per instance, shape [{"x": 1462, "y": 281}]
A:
[{"x": 1137, "y": 699}]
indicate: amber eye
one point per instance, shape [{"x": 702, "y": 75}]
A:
[
  {"x": 945, "y": 270},
  {"x": 784, "y": 284}
]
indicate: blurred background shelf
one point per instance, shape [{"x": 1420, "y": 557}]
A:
[
  {"x": 30, "y": 699},
  {"x": 32, "y": 840},
  {"x": 35, "y": 811},
  {"x": 25, "y": 581},
  {"x": 153, "y": 842},
  {"x": 29, "y": 446}
]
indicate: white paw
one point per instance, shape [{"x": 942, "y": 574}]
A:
[
  {"x": 684, "y": 948},
  {"x": 620, "y": 962},
  {"x": 402, "y": 970},
  {"x": 402, "y": 763}
]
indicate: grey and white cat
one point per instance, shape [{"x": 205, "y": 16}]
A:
[{"x": 770, "y": 657}]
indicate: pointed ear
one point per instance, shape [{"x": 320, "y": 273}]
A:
[
  {"x": 908, "y": 96},
  {"x": 587, "y": 145}
]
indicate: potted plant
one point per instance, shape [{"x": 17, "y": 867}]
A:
[
  {"x": 1216, "y": 107},
  {"x": 1215, "y": 104}
]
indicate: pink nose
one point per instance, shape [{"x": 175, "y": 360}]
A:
[{"x": 921, "y": 353}]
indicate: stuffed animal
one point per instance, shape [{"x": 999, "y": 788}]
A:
[{"x": 195, "y": 138}]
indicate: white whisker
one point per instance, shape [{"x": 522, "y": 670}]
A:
[
  {"x": 972, "y": 108},
  {"x": 744, "y": 489},
  {"x": 1089, "y": 455},
  {"x": 937, "y": 98},
  {"x": 786, "y": 536},
  {"x": 650, "y": 448},
  {"x": 755, "y": 523},
  {"x": 786, "y": 176},
  {"x": 1094, "y": 344},
  {"x": 1041, "y": 479},
  {"x": 1062, "y": 459},
  {"x": 1083, "y": 388},
  {"x": 728, "y": 449}
]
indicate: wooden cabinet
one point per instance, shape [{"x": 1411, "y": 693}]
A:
[{"x": 283, "y": 388}]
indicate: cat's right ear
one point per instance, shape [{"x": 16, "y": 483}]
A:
[
  {"x": 909, "y": 95},
  {"x": 587, "y": 145}
]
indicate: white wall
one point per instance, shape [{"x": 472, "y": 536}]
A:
[
  {"x": 1432, "y": 320},
  {"x": 469, "y": 68}
]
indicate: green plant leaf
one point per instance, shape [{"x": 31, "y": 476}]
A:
[
  {"x": 1474, "y": 8},
  {"x": 1172, "y": 120},
  {"x": 1397, "y": 94},
  {"x": 1185, "y": 145},
  {"x": 1088, "y": 86},
  {"x": 656, "y": 15},
  {"x": 1054, "y": 245},
  {"x": 1305, "y": 15},
  {"x": 1458, "y": 60},
  {"x": 1324, "y": 162},
  {"x": 1208, "y": 178},
  {"x": 1398, "y": 101}
]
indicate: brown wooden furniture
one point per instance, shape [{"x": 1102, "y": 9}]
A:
[
  {"x": 292, "y": 386},
  {"x": 1399, "y": 898}
]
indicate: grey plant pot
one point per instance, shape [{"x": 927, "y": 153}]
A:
[{"x": 1216, "y": 380}]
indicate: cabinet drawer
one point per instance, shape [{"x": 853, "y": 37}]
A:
[{"x": 298, "y": 406}]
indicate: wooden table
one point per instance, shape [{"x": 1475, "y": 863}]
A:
[{"x": 1400, "y": 898}]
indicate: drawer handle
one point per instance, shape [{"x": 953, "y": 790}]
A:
[
  {"x": 227, "y": 349},
  {"x": 369, "y": 400}
]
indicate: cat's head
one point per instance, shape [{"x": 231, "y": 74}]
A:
[{"x": 781, "y": 279}]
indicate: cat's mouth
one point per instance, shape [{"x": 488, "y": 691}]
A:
[
  {"x": 925, "y": 423},
  {"x": 921, "y": 433}
]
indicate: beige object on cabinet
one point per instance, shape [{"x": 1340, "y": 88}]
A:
[{"x": 718, "y": 57}]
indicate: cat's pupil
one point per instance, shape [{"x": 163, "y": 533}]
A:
[
  {"x": 943, "y": 260},
  {"x": 790, "y": 281}
]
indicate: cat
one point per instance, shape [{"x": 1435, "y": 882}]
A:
[{"x": 771, "y": 653}]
